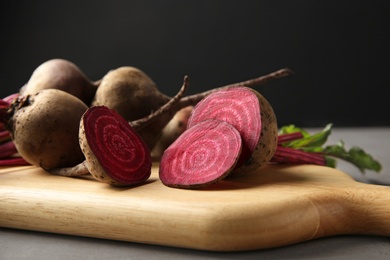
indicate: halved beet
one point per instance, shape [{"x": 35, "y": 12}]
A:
[
  {"x": 251, "y": 114},
  {"x": 114, "y": 151},
  {"x": 202, "y": 155}
]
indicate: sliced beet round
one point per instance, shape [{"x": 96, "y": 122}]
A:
[
  {"x": 202, "y": 155},
  {"x": 251, "y": 114},
  {"x": 114, "y": 151}
]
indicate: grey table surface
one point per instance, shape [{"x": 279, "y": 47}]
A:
[{"x": 22, "y": 244}]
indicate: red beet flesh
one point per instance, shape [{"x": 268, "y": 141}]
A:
[
  {"x": 236, "y": 106},
  {"x": 202, "y": 155},
  {"x": 117, "y": 146}
]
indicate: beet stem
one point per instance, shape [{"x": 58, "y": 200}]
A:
[
  {"x": 283, "y": 138},
  {"x": 7, "y": 149},
  {"x": 4, "y": 106},
  {"x": 4, "y": 136},
  {"x": 14, "y": 161},
  {"x": 295, "y": 156},
  {"x": 9, "y": 99},
  {"x": 194, "y": 99},
  {"x": 77, "y": 170},
  {"x": 167, "y": 107},
  {"x": 263, "y": 79},
  {"x": 3, "y": 103}
]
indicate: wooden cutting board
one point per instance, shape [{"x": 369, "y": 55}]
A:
[{"x": 279, "y": 205}]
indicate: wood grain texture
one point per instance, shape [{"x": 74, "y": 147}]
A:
[{"x": 277, "y": 206}]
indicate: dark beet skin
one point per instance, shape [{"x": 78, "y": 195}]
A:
[{"x": 63, "y": 75}]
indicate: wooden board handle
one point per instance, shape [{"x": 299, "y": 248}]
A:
[{"x": 360, "y": 209}]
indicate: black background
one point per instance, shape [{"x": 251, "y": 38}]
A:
[{"x": 339, "y": 50}]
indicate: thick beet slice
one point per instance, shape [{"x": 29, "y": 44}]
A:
[
  {"x": 114, "y": 151},
  {"x": 202, "y": 155},
  {"x": 251, "y": 114}
]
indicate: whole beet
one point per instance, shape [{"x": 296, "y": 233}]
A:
[
  {"x": 63, "y": 75},
  {"x": 130, "y": 92},
  {"x": 134, "y": 95},
  {"x": 44, "y": 127}
]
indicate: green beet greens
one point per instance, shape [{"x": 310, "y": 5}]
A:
[{"x": 299, "y": 146}]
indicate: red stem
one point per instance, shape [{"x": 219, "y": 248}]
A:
[
  {"x": 3, "y": 104},
  {"x": 295, "y": 156},
  {"x": 7, "y": 149},
  {"x": 4, "y": 136},
  {"x": 3, "y": 114},
  {"x": 282, "y": 138},
  {"x": 10, "y": 98},
  {"x": 13, "y": 161}
]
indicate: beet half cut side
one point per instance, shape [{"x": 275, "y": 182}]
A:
[
  {"x": 251, "y": 114},
  {"x": 201, "y": 155},
  {"x": 122, "y": 157}
]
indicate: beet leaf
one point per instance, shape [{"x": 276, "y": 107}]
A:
[
  {"x": 298, "y": 146},
  {"x": 355, "y": 155}
]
